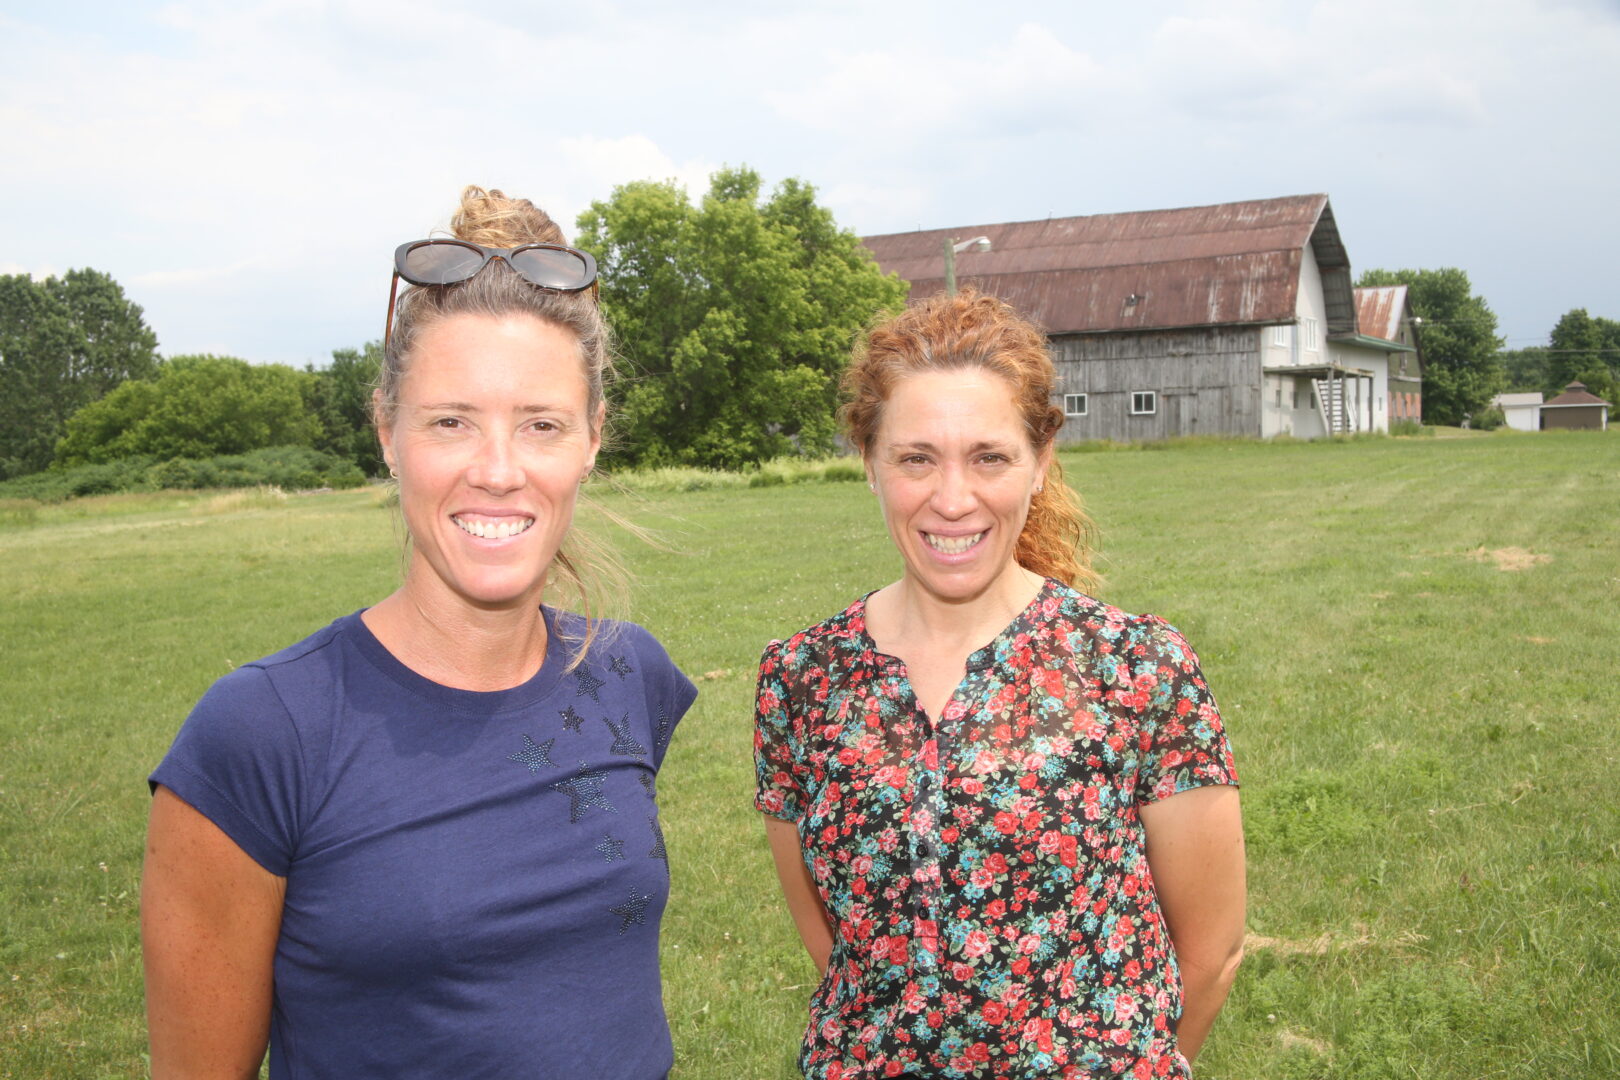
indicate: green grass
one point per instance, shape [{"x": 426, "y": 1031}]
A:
[{"x": 1427, "y": 739}]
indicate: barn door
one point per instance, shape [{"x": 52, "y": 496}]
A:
[{"x": 1186, "y": 414}]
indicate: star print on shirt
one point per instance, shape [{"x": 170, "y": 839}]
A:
[
  {"x": 588, "y": 683},
  {"x": 623, "y": 742},
  {"x": 661, "y": 736},
  {"x": 647, "y": 782},
  {"x": 571, "y": 719},
  {"x": 633, "y": 910},
  {"x": 621, "y": 667},
  {"x": 612, "y": 848},
  {"x": 535, "y": 755},
  {"x": 584, "y": 791},
  {"x": 658, "y": 851}
]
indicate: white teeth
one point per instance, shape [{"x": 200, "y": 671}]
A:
[
  {"x": 493, "y": 530},
  {"x": 952, "y": 545}
]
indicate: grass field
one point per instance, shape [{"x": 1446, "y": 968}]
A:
[{"x": 1415, "y": 643}]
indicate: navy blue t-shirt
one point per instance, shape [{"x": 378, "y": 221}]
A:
[{"x": 474, "y": 880}]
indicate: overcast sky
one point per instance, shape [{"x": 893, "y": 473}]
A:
[{"x": 245, "y": 169}]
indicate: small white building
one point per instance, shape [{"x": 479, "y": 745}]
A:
[{"x": 1523, "y": 411}]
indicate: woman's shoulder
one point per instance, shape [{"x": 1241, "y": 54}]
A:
[
  {"x": 311, "y": 648},
  {"x": 835, "y": 635},
  {"x": 606, "y": 636},
  {"x": 273, "y": 690},
  {"x": 615, "y": 645},
  {"x": 1086, "y": 616}
]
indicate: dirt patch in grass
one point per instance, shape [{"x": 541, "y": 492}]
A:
[
  {"x": 1534, "y": 640},
  {"x": 1317, "y": 946},
  {"x": 1509, "y": 559},
  {"x": 1320, "y": 945},
  {"x": 1293, "y": 1040},
  {"x": 1328, "y": 942}
]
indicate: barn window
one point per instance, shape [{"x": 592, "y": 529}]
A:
[
  {"x": 1144, "y": 402},
  {"x": 1074, "y": 404},
  {"x": 1309, "y": 326},
  {"x": 1279, "y": 336}
]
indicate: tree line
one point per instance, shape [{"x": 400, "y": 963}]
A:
[
  {"x": 85, "y": 385},
  {"x": 733, "y": 317}
]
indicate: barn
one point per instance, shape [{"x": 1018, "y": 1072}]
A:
[{"x": 1235, "y": 319}]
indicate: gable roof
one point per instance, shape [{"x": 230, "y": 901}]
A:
[
  {"x": 1229, "y": 264},
  {"x": 1380, "y": 311},
  {"x": 1576, "y": 394}
]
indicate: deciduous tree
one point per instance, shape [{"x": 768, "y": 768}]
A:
[
  {"x": 339, "y": 396},
  {"x": 1579, "y": 352},
  {"x": 733, "y": 317},
  {"x": 64, "y": 342},
  {"x": 1525, "y": 370},
  {"x": 1461, "y": 368}
]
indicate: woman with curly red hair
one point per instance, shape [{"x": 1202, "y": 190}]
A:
[{"x": 1004, "y": 813}]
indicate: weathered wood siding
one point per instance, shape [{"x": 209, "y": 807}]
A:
[{"x": 1208, "y": 382}]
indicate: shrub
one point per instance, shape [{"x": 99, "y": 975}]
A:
[
  {"x": 1409, "y": 428},
  {"x": 291, "y": 468},
  {"x": 775, "y": 473},
  {"x": 196, "y": 406}
]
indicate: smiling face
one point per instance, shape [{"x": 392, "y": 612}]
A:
[
  {"x": 954, "y": 471},
  {"x": 491, "y": 439}
]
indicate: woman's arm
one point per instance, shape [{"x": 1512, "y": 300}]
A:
[
  {"x": 1195, "y": 850},
  {"x": 210, "y": 917},
  {"x": 803, "y": 901}
]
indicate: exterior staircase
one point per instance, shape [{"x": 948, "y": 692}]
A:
[{"x": 1337, "y": 416}]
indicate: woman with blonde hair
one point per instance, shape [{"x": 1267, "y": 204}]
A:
[
  {"x": 1004, "y": 813},
  {"x": 424, "y": 840}
]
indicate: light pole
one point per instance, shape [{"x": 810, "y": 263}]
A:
[{"x": 952, "y": 249}]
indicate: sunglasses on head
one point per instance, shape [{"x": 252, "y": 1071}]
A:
[{"x": 445, "y": 262}]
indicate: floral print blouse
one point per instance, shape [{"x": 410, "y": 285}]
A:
[{"x": 985, "y": 873}]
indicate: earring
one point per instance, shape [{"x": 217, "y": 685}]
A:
[{"x": 392, "y": 474}]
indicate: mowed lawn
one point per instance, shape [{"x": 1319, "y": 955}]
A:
[{"x": 1415, "y": 643}]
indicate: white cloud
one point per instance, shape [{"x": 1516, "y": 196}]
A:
[
  {"x": 195, "y": 277},
  {"x": 916, "y": 95},
  {"x": 596, "y": 165},
  {"x": 874, "y": 202},
  {"x": 38, "y": 273}
]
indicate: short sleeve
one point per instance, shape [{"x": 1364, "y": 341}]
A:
[
  {"x": 669, "y": 692},
  {"x": 777, "y": 759},
  {"x": 1180, "y": 735},
  {"x": 237, "y": 760}
]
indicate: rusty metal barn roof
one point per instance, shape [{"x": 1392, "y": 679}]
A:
[
  {"x": 1196, "y": 266},
  {"x": 1379, "y": 311}
]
